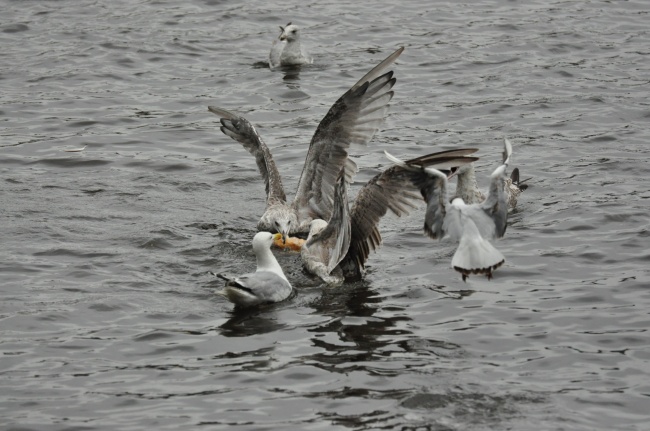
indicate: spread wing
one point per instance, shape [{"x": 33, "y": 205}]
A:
[
  {"x": 390, "y": 190},
  {"x": 491, "y": 216},
  {"x": 242, "y": 131},
  {"x": 495, "y": 207},
  {"x": 354, "y": 118}
]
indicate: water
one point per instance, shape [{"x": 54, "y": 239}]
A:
[{"x": 108, "y": 315}]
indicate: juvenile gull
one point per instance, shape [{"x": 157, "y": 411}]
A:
[
  {"x": 287, "y": 50},
  {"x": 472, "y": 225},
  {"x": 338, "y": 249},
  {"x": 467, "y": 188},
  {"x": 266, "y": 285},
  {"x": 354, "y": 118}
]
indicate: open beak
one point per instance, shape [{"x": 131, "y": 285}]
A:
[{"x": 283, "y": 37}]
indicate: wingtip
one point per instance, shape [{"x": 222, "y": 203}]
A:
[
  {"x": 507, "y": 150},
  {"x": 379, "y": 69},
  {"x": 514, "y": 176},
  {"x": 428, "y": 231},
  {"x": 221, "y": 112},
  {"x": 395, "y": 160},
  {"x": 500, "y": 171}
]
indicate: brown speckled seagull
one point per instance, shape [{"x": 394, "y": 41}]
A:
[{"x": 354, "y": 118}]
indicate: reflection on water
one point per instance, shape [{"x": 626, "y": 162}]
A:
[{"x": 246, "y": 322}]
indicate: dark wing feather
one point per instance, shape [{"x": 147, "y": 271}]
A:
[
  {"x": 354, "y": 118},
  {"x": 390, "y": 190},
  {"x": 444, "y": 160}
]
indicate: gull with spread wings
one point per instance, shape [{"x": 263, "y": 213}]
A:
[
  {"x": 471, "y": 225},
  {"x": 337, "y": 249},
  {"x": 354, "y": 118}
]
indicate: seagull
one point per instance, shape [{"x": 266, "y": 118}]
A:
[
  {"x": 266, "y": 285},
  {"x": 473, "y": 225},
  {"x": 354, "y": 118},
  {"x": 337, "y": 250},
  {"x": 286, "y": 49},
  {"x": 467, "y": 189}
]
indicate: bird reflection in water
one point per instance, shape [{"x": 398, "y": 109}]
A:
[{"x": 253, "y": 321}]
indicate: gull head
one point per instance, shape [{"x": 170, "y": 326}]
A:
[
  {"x": 279, "y": 218},
  {"x": 290, "y": 32},
  {"x": 315, "y": 226},
  {"x": 457, "y": 202},
  {"x": 262, "y": 241}
]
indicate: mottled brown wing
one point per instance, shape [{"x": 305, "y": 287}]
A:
[
  {"x": 242, "y": 131},
  {"x": 390, "y": 190},
  {"x": 354, "y": 118}
]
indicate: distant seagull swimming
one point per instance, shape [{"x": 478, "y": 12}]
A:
[
  {"x": 472, "y": 225},
  {"x": 354, "y": 118},
  {"x": 467, "y": 189},
  {"x": 266, "y": 285},
  {"x": 337, "y": 250},
  {"x": 286, "y": 49}
]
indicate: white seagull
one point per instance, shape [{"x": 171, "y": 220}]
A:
[
  {"x": 337, "y": 250},
  {"x": 266, "y": 285},
  {"x": 354, "y": 118},
  {"x": 472, "y": 225},
  {"x": 286, "y": 49}
]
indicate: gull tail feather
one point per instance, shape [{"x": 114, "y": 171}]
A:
[{"x": 476, "y": 255}]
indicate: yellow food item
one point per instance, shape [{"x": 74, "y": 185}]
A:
[{"x": 292, "y": 243}]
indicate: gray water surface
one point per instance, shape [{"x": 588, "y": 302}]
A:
[{"x": 108, "y": 317}]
